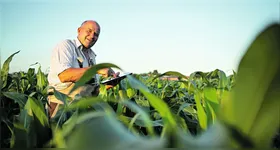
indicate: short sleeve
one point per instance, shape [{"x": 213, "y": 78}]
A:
[{"x": 62, "y": 57}]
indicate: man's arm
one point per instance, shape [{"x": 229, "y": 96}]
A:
[{"x": 72, "y": 74}]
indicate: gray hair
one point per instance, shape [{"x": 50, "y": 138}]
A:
[{"x": 90, "y": 20}]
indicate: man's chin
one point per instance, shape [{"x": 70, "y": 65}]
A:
[
  {"x": 91, "y": 44},
  {"x": 88, "y": 45}
]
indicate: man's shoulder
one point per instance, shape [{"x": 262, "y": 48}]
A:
[{"x": 66, "y": 43}]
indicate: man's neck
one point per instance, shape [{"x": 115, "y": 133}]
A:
[{"x": 83, "y": 48}]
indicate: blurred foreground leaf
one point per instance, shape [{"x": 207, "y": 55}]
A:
[{"x": 253, "y": 105}]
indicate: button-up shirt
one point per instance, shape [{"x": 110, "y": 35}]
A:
[{"x": 68, "y": 54}]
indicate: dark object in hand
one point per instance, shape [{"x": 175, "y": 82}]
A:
[{"x": 115, "y": 81}]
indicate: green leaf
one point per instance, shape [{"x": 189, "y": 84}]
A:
[
  {"x": 215, "y": 137},
  {"x": 83, "y": 103},
  {"x": 142, "y": 113},
  {"x": 19, "y": 98},
  {"x": 253, "y": 105},
  {"x": 222, "y": 79},
  {"x": 210, "y": 94},
  {"x": 60, "y": 96},
  {"x": 41, "y": 80},
  {"x": 156, "y": 102},
  {"x": 25, "y": 117},
  {"x": 69, "y": 124},
  {"x": 202, "y": 118},
  {"x": 20, "y": 139},
  {"x": 212, "y": 103},
  {"x": 105, "y": 132},
  {"x": 90, "y": 73},
  {"x": 5, "y": 69},
  {"x": 58, "y": 139},
  {"x": 171, "y": 73},
  {"x": 31, "y": 72},
  {"x": 130, "y": 92},
  {"x": 184, "y": 106},
  {"x": 35, "y": 107},
  {"x": 267, "y": 121},
  {"x": 140, "y": 122}
]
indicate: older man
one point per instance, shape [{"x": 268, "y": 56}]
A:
[{"x": 70, "y": 59}]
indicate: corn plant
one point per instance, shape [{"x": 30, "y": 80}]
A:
[
  {"x": 20, "y": 93},
  {"x": 205, "y": 110}
]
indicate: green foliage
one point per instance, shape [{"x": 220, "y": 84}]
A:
[
  {"x": 257, "y": 93},
  {"x": 146, "y": 111},
  {"x": 23, "y": 95},
  {"x": 5, "y": 70}
]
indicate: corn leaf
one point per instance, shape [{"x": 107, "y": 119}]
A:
[
  {"x": 5, "y": 70},
  {"x": 253, "y": 105}
]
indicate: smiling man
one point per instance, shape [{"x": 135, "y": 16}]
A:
[{"x": 70, "y": 59}]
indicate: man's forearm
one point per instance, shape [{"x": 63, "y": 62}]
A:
[{"x": 72, "y": 74}]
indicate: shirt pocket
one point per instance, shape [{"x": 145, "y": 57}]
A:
[{"x": 78, "y": 61}]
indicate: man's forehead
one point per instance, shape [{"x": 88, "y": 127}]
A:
[{"x": 92, "y": 25}]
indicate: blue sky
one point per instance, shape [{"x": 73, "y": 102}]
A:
[{"x": 138, "y": 36}]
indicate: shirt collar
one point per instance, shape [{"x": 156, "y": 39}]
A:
[{"x": 79, "y": 45}]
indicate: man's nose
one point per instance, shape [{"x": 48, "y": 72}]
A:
[{"x": 91, "y": 35}]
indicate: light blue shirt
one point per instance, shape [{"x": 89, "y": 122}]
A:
[{"x": 66, "y": 55}]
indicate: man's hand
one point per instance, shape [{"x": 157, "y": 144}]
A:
[
  {"x": 108, "y": 72},
  {"x": 108, "y": 87}
]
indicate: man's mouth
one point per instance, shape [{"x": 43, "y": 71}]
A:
[{"x": 89, "y": 40}]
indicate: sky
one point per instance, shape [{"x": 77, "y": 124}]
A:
[{"x": 138, "y": 36}]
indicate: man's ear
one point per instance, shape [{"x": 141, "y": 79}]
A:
[{"x": 79, "y": 29}]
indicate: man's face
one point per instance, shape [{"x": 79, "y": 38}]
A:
[{"x": 88, "y": 33}]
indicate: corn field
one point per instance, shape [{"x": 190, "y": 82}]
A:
[{"x": 204, "y": 110}]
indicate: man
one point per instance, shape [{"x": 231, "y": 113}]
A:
[{"x": 70, "y": 60}]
